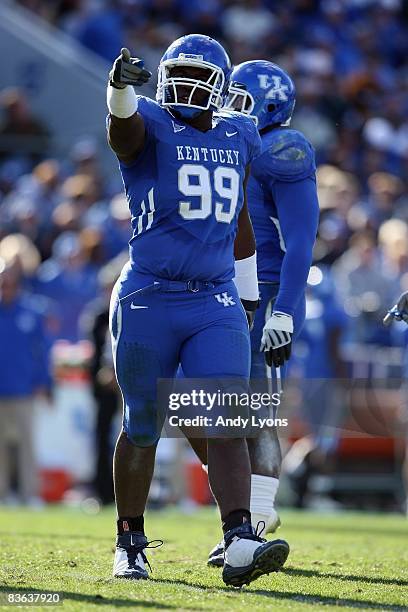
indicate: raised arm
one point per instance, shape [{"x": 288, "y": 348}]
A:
[{"x": 126, "y": 130}]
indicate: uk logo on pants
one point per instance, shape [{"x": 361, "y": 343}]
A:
[{"x": 225, "y": 299}]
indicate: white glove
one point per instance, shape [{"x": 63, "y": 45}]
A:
[{"x": 277, "y": 339}]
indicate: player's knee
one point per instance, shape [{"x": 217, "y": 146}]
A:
[
  {"x": 140, "y": 432},
  {"x": 139, "y": 438}
]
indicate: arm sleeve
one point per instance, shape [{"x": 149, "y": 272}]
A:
[{"x": 298, "y": 212}]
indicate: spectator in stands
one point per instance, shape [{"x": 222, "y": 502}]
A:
[
  {"x": 364, "y": 288},
  {"x": 29, "y": 207},
  {"x": 247, "y": 20},
  {"x": 21, "y": 251},
  {"x": 393, "y": 241},
  {"x": 25, "y": 372},
  {"x": 116, "y": 229},
  {"x": 21, "y": 134},
  {"x": 101, "y": 29},
  {"x": 84, "y": 157},
  {"x": 338, "y": 192},
  {"x": 85, "y": 192},
  {"x": 70, "y": 281},
  {"x": 384, "y": 190}
]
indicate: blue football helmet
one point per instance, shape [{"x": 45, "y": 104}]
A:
[
  {"x": 263, "y": 91},
  {"x": 190, "y": 96}
]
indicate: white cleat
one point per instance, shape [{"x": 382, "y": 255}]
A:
[
  {"x": 247, "y": 556},
  {"x": 216, "y": 555},
  {"x": 130, "y": 560}
]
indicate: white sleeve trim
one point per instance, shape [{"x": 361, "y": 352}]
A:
[
  {"x": 121, "y": 103},
  {"x": 246, "y": 278}
]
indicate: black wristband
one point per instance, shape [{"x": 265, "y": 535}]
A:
[
  {"x": 116, "y": 85},
  {"x": 250, "y": 305}
]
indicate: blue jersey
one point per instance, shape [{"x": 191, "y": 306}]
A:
[
  {"x": 185, "y": 192},
  {"x": 283, "y": 205}
]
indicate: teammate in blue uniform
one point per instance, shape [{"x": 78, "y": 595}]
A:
[
  {"x": 184, "y": 169},
  {"x": 284, "y": 209}
]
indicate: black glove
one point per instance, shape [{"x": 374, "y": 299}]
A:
[
  {"x": 128, "y": 70},
  {"x": 250, "y": 309}
]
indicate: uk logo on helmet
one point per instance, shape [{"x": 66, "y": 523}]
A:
[{"x": 274, "y": 84}]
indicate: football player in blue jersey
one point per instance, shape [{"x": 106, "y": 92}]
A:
[
  {"x": 184, "y": 169},
  {"x": 284, "y": 209}
]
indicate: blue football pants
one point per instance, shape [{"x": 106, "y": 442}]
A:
[{"x": 156, "y": 328}]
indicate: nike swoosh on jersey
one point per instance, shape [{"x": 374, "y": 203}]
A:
[
  {"x": 230, "y": 134},
  {"x": 136, "y": 307}
]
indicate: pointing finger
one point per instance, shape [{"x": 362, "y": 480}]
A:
[{"x": 125, "y": 53}]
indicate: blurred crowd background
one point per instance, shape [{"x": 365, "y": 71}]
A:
[{"x": 64, "y": 221}]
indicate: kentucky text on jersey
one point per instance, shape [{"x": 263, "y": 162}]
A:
[
  {"x": 223, "y": 156},
  {"x": 185, "y": 193}
]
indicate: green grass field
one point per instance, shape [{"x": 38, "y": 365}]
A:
[{"x": 346, "y": 560}]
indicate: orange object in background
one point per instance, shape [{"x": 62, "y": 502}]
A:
[
  {"x": 198, "y": 489},
  {"x": 53, "y": 484}
]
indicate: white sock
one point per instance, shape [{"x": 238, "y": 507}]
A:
[{"x": 263, "y": 494}]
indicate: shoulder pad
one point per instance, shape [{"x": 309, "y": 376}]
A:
[
  {"x": 238, "y": 120},
  {"x": 287, "y": 155},
  {"x": 229, "y": 114},
  {"x": 243, "y": 122},
  {"x": 154, "y": 116},
  {"x": 247, "y": 129}
]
